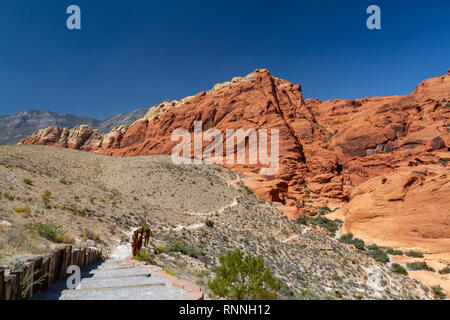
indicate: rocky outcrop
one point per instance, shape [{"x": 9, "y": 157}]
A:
[
  {"x": 333, "y": 152},
  {"x": 15, "y": 127}
]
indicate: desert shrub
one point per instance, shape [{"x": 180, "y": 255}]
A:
[
  {"x": 51, "y": 231},
  {"x": 444, "y": 161},
  {"x": 89, "y": 234},
  {"x": 336, "y": 277},
  {"x": 185, "y": 249},
  {"x": 284, "y": 290},
  {"x": 348, "y": 238},
  {"x": 74, "y": 210},
  {"x": 358, "y": 243},
  {"x": 143, "y": 255},
  {"x": 22, "y": 209},
  {"x": 170, "y": 272},
  {"x": 307, "y": 294},
  {"x": 419, "y": 266},
  {"x": 26, "y": 283},
  {"x": 446, "y": 270},
  {"x": 242, "y": 277},
  {"x": 438, "y": 292},
  {"x": 28, "y": 182},
  {"x": 64, "y": 181},
  {"x": 414, "y": 254},
  {"x": 330, "y": 225},
  {"x": 209, "y": 223},
  {"x": 394, "y": 252},
  {"x": 65, "y": 238},
  {"x": 46, "y": 198},
  {"x": 378, "y": 254},
  {"x": 399, "y": 269},
  {"x": 8, "y": 196}
]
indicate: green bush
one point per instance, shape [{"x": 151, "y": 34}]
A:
[
  {"x": 438, "y": 292},
  {"x": 307, "y": 294},
  {"x": 399, "y": 269},
  {"x": 348, "y": 238},
  {"x": 170, "y": 272},
  {"x": 209, "y": 223},
  {"x": 22, "y": 209},
  {"x": 446, "y": 270},
  {"x": 394, "y": 252},
  {"x": 284, "y": 290},
  {"x": 51, "y": 231},
  {"x": 331, "y": 225},
  {"x": 64, "y": 181},
  {"x": 378, "y": 254},
  {"x": 242, "y": 277},
  {"x": 186, "y": 249},
  {"x": 373, "y": 247},
  {"x": 143, "y": 255},
  {"x": 414, "y": 254},
  {"x": 302, "y": 220},
  {"x": 8, "y": 196},
  {"x": 444, "y": 161},
  {"x": 28, "y": 182},
  {"x": 419, "y": 266}
]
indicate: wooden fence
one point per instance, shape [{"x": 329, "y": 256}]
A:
[{"x": 40, "y": 273}]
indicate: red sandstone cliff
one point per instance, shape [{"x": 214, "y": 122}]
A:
[{"x": 380, "y": 159}]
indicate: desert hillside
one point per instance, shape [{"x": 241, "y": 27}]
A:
[{"x": 195, "y": 213}]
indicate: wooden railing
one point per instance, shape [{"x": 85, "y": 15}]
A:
[{"x": 40, "y": 273}]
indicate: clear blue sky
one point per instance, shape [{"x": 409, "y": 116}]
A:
[{"x": 137, "y": 53}]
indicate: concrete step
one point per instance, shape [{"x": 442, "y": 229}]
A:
[
  {"x": 121, "y": 272},
  {"x": 116, "y": 280},
  {"x": 147, "y": 292},
  {"x": 120, "y": 282}
]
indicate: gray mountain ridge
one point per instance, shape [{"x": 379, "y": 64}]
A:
[{"x": 19, "y": 125}]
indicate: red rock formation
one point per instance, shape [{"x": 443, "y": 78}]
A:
[{"x": 338, "y": 151}]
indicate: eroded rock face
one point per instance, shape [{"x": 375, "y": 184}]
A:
[
  {"x": 338, "y": 150},
  {"x": 409, "y": 202}
]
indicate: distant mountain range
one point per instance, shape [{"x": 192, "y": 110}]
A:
[{"x": 17, "y": 126}]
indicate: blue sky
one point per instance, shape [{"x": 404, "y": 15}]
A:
[{"x": 137, "y": 53}]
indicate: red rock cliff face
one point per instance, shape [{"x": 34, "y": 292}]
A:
[{"x": 331, "y": 153}]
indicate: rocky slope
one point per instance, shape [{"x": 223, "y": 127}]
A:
[
  {"x": 380, "y": 161},
  {"x": 196, "y": 213},
  {"x": 15, "y": 127}
]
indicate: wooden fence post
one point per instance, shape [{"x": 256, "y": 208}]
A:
[
  {"x": 2, "y": 285},
  {"x": 39, "y": 273},
  {"x": 51, "y": 269},
  {"x": 9, "y": 284},
  {"x": 45, "y": 270},
  {"x": 30, "y": 270},
  {"x": 76, "y": 260},
  {"x": 15, "y": 280},
  {"x": 65, "y": 261},
  {"x": 52, "y": 266}
]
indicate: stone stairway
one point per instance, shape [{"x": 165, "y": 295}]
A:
[{"x": 124, "y": 279}]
